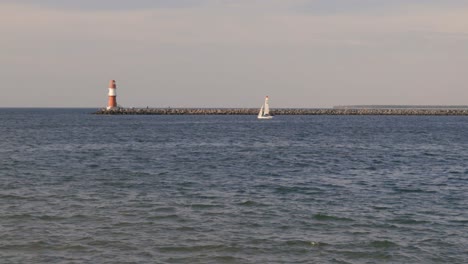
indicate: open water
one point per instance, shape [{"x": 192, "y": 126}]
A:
[{"x": 83, "y": 188}]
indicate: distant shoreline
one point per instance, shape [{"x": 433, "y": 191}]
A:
[
  {"x": 286, "y": 111},
  {"x": 446, "y": 107}
]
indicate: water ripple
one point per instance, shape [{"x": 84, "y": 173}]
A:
[{"x": 79, "y": 188}]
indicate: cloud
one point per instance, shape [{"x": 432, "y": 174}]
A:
[
  {"x": 100, "y": 5},
  {"x": 316, "y": 7},
  {"x": 239, "y": 23},
  {"x": 329, "y": 7}
]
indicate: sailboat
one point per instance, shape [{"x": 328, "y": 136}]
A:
[{"x": 265, "y": 111}]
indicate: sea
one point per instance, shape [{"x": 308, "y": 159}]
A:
[{"x": 82, "y": 188}]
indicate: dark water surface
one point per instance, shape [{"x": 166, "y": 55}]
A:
[{"x": 82, "y": 188}]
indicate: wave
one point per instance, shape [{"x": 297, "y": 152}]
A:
[
  {"x": 383, "y": 244},
  {"x": 324, "y": 217}
]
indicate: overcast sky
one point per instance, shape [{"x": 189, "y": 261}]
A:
[{"x": 231, "y": 53}]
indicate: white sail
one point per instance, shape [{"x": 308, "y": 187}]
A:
[
  {"x": 260, "y": 114},
  {"x": 267, "y": 107}
]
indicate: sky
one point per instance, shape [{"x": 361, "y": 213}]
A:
[{"x": 232, "y": 53}]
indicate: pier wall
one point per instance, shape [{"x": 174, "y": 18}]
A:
[{"x": 280, "y": 111}]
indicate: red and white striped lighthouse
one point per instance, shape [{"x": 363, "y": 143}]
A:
[{"x": 112, "y": 104}]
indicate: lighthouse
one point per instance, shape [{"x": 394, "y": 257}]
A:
[{"x": 112, "y": 104}]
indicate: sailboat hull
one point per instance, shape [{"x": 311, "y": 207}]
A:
[{"x": 264, "y": 117}]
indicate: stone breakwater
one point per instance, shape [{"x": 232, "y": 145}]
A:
[{"x": 280, "y": 111}]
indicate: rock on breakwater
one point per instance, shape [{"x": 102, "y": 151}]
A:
[{"x": 280, "y": 111}]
